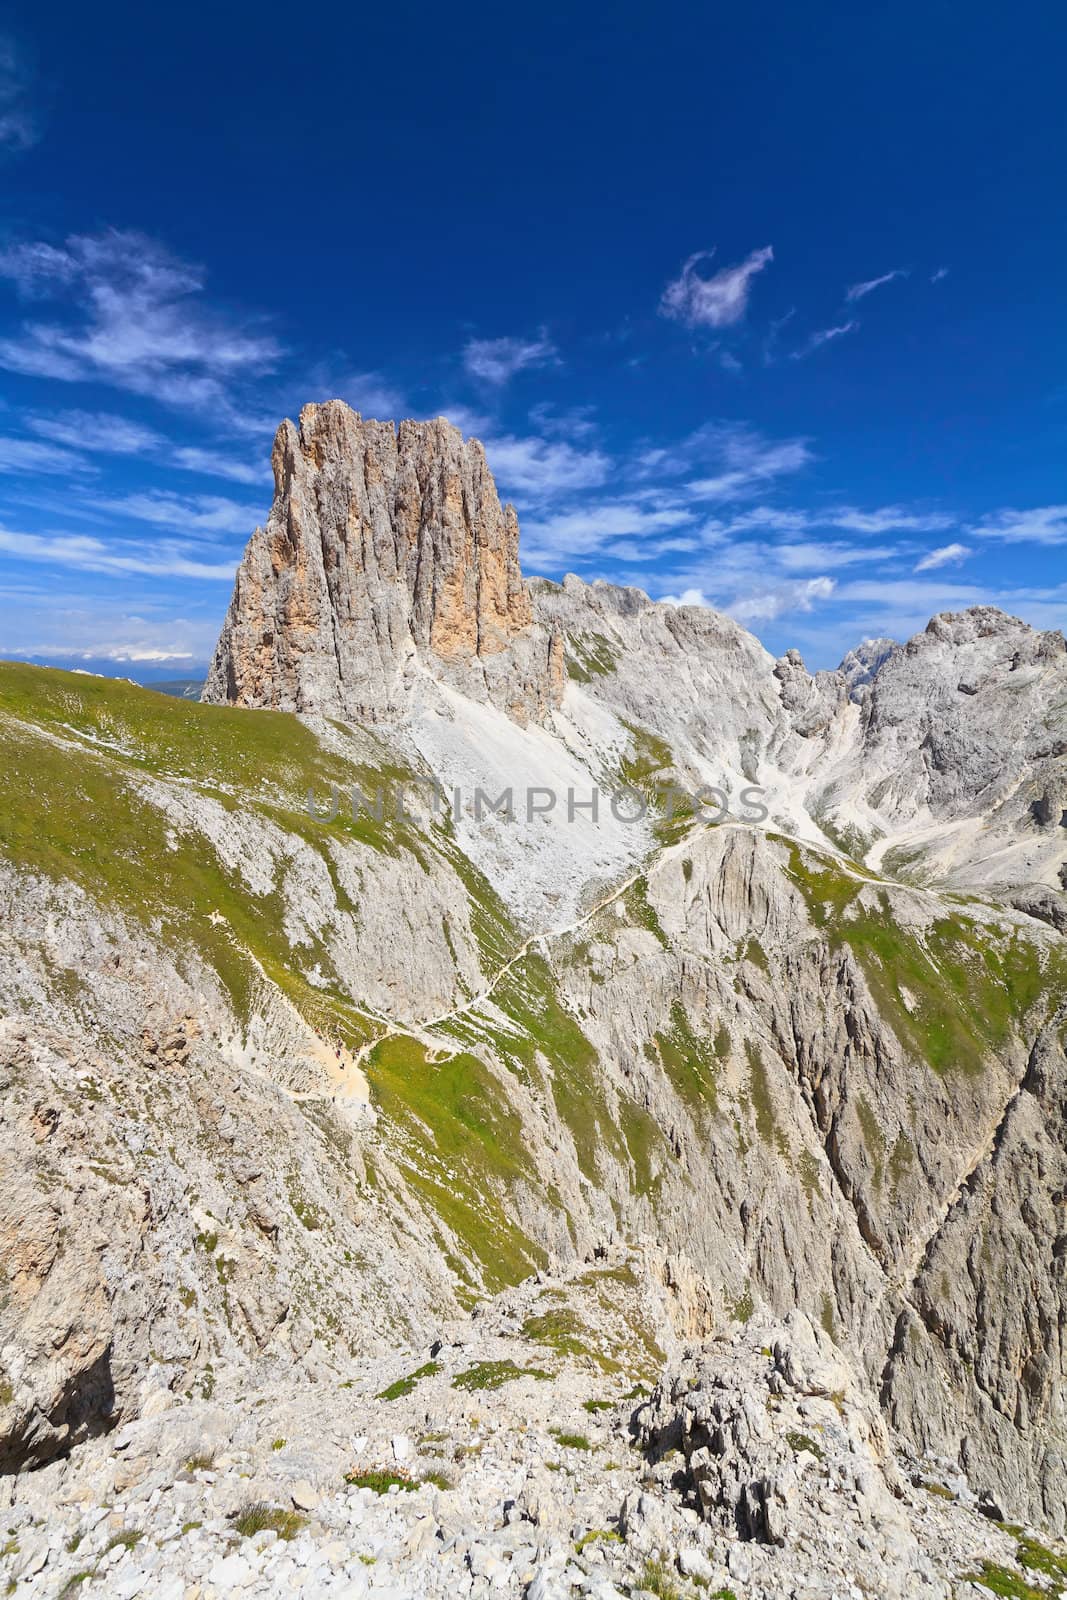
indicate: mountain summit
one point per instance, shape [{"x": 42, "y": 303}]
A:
[{"x": 386, "y": 553}]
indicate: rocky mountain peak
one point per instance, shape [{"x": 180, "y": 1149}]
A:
[
  {"x": 859, "y": 667},
  {"x": 386, "y": 552}
]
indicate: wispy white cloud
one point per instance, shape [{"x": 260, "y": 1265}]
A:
[
  {"x": 576, "y": 422},
  {"x": 688, "y": 597},
  {"x": 29, "y": 456},
  {"x": 822, "y": 336},
  {"x": 764, "y": 520},
  {"x": 795, "y": 520},
  {"x": 541, "y": 469},
  {"x": 215, "y": 464},
  {"x": 372, "y": 394},
  {"x": 103, "y": 433},
  {"x": 132, "y": 319},
  {"x": 745, "y": 461},
  {"x": 758, "y": 566},
  {"x": 759, "y": 561},
  {"x": 132, "y": 653},
  {"x": 197, "y": 515},
  {"x": 936, "y": 276},
  {"x": 473, "y": 424},
  {"x": 772, "y": 338},
  {"x": 580, "y": 534},
  {"x": 921, "y": 597},
  {"x": 715, "y": 302},
  {"x": 72, "y": 627},
  {"x": 86, "y": 554},
  {"x": 97, "y": 432},
  {"x": 949, "y": 555},
  {"x": 730, "y": 460},
  {"x": 651, "y": 549},
  {"x": 20, "y": 125},
  {"x": 1039, "y": 525},
  {"x": 888, "y": 519},
  {"x": 766, "y": 605},
  {"x": 860, "y": 291},
  {"x": 802, "y": 557},
  {"x": 496, "y": 360}
]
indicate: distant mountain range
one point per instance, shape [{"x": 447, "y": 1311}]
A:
[{"x": 154, "y": 675}]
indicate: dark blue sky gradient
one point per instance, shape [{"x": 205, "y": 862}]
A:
[{"x": 372, "y": 189}]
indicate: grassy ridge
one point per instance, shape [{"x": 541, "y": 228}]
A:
[
  {"x": 77, "y": 751},
  {"x": 269, "y": 759},
  {"x": 952, "y": 991}
]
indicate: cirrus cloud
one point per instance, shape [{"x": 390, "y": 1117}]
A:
[
  {"x": 32, "y": 456},
  {"x": 822, "y": 336},
  {"x": 715, "y": 302},
  {"x": 539, "y": 469},
  {"x": 949, "y": 555},
  {"x": 96, "y": 431},
  {"x": 1039, "y": 525},
  {"x": 20, "y": 126},
  {"x": 496, "y": 360},
  {"x": 128, "y": 314},
  {"x": 764, "y": 604},
  {"x": 195, "y": 516},
  {"x": 88, "y": 554},
  {"x": 860, "y": 291}
]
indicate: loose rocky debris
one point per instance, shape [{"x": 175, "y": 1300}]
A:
[{"x": 561, "y": 1442}]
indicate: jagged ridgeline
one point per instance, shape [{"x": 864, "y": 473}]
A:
[{"x": 282, "y": 1086}]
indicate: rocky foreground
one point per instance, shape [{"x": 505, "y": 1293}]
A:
[{"x": 518, "y": 1454}]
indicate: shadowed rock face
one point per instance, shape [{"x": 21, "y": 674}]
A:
[{"x": 386, "y": 552}]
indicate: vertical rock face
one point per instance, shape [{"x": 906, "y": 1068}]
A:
[{"x": 386, "y": 553}]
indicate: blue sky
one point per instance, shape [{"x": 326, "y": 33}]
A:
[{"x": 757, "y": 306}]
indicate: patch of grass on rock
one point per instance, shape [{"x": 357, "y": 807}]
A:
[
  {"x": 493, "y": 1374},
  {"x": 1037, "y": 1557},
  {"x": 129, "y": 1538},
  {"x": 804, "y": 1441},
  {"x": 563, "y": 1331},
  {"x": 658, "y": 1579},
  {"x": 403, "y": 1386},
  {"x": 570, "y": 1441},
  {"x": 73, "y": 1584},
  {"x": 1002, "y": 1581},
  {"x": 597, "y": 1536},
  {"x": 260, "y": 1516},
  {"x": 380, "y": 1480},
  {"x": 439, "y": 1479}
]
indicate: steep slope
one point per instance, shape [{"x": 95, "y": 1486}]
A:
[
  {"x": 292, "y": 1069},
  {"x": 780, "y": 1067}
]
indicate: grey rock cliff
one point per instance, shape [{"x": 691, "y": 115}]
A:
[{"x": 385, "y": 549}]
